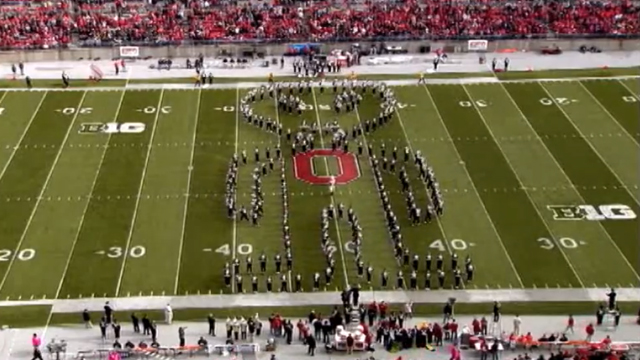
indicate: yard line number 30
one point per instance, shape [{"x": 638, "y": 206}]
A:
[{"x": 242, "y": 249}]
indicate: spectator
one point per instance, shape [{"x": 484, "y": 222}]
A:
[
  {"x": 86, "y": 318},
  {"x": 311, "y": 343},
  {"x": 168, "y": 314},
  {"x": 570, "y": 324},
  {"x": 51, "y": 25},
  {"x": 35, "y": 341},
  {"x": 350, "y": 342},
  {"x": 590, "y": 330},
  {"x": 516, "y": 324}
]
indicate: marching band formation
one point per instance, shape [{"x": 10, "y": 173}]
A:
[{"x": 348, "y": 95}]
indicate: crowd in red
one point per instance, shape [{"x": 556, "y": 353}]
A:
[{"x": 47, "y": 25}]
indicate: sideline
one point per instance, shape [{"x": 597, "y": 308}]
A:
[
  {"x": 249, "y": 85},
  {"x": 330, "y": 298}
]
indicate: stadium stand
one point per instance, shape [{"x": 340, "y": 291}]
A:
[{"x": 37, "y": 25}]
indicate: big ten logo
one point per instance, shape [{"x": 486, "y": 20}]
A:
[
  {"x": 592, "y": 213},
  {"x": 112, "y": 128}
]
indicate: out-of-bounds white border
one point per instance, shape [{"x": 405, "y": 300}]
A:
[{"x": 400, "y": 82}]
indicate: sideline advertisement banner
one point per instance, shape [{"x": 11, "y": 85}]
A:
[
  {"x": 477, "y": 45},
  {"x": 129, "y": 51}
]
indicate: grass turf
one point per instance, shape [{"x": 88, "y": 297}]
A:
[{"x": 108, "y": 215}]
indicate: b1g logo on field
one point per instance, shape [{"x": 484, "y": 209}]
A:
[
  {"x": 592, "y": 213},
  {"x": 347, "y": 163},
  {"x": 112, "y": 128}
]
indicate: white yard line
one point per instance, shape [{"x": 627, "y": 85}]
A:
[
  {"x": 533, "y": 203},
  {"x": 326, "y": 164},
  {"x": 24, "y": 133},
  {"x": 590, "y": 145},
  {"x": 488, "y": 79},
  {"x": 142, "y": 303},
  {"x": 475, "y": 189},
  {"x": 135, "y": 211},
  {"x": 3, "y": 96},
  {"x": 630, "y": 90},
  {"x": 84, "y": 212},
  {"x": 524, "y": 117},
  {"x": 42, "y": 190},
  {"x": 624, "y": 130},
  {"x": 234, "y": 234},
  {"x": 186, "y": 201}
]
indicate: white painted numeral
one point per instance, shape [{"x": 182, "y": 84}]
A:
[
  {"x": 137, "y": 251},
  {"x": 26, "y": 254},
  {"x": 115, "y": 252},
  {"x": 23, "y": 255},
  {"x": 458, "y": 244},
  {"x": 629, "y": 99},
  {"x": 152, "y": 109},
  {"x": 71, "y": 111},
  {"x": 455, "y": 244},
  {"x": 479, "y": 103},
  {"x": 320, "y": 106},
  {"x": 224, "y": 250},
  {"x": 546, "y": 243},
  {"x": 243, "y": 249},
  {"x": 559, "y": 101},
  {"x": 306, "y": 107},
  {"x": 1, "y": 110},
  {"x": 438, "y": 245},
  {"x": 568, "y": 243},
  {"x": 228, "y": 108},
  {"x": 546, "y": 102},
  {"x": 564, "y": 242}
]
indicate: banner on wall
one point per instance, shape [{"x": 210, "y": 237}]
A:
[
  {"x": 129, "y": 51},
  {"x": 477, "y": 45}
]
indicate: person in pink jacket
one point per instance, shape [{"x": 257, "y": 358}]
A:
[{"x": 35, "y": 341}]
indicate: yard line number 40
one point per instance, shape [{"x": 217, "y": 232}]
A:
[{"x": 242, "y": 249}]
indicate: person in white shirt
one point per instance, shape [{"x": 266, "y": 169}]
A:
[
  {"x": 516, "y": 325},
  {"x": 332, "y": 184},
  {"x": 168, "y": 314},
  {"x": 408, "y": 309}
]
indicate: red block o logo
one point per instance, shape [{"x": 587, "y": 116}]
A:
[{"x": 347, "y": 163}]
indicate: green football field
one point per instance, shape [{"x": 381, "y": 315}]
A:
[{"x": 540, "y": 182}]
